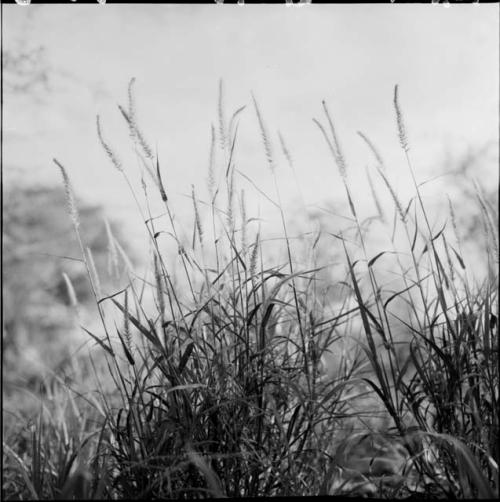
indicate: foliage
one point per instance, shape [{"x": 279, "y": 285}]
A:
[
  {"x": 221, "y": 388},
  {"x": 40, "y": 260}
]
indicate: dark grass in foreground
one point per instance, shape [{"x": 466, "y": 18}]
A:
[{"x": 221, "y": 391}]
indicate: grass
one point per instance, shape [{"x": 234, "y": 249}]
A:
[{"x": 218, "y": 358}]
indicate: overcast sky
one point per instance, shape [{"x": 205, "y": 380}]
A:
[{"x": 445, "y": 61}]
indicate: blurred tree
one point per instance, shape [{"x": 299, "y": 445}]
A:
[
  {"x": 479, "y": 164},
  {"x": 26, "y": 67},
  {"x": 26, "y": 70},
  {"x": 39, "y": 245},
  {"x": 38, "y": 239}
]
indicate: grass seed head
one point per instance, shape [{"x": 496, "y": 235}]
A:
[
  {"x": 211, "y": 165},
  {"x": 197, "y": 218},
  {"x": 403, "y": 138},
  {"x": 268, "y": 147},
  {"x": 221, "y": 117},
  {"x": 110, "y": 153},
  {"x": 70, "y": 198}
]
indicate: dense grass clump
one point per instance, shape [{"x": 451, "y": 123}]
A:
[{"x": 233, "y": 374}]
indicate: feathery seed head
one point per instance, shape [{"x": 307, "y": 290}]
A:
[
  {"x": 338, "y": 155},
  {"x": 111, "y": 154},
  {"x": 254, "y": 256},
  {"x": 403, "y": 138},
  {"x": 126, "y": 322},
  {"x": 230, "y": 197},
  {"x": 374, "y": 150},
  {"x": 197, "y": 216},
  {"x": 211, "y": 164},
  {"x": 243, "y": 222},
  {"x": 222, "y": 120},
  {"x": 70, "y": 199},
  {"x": 453, "y": 220},
  {"x": 286, "y": 152},
  {"x": 265, "y": 136},
  {"x": 136, "y": 132},
  {"x": 159, "y": 288},
  {"x": 131, "y": 99}
]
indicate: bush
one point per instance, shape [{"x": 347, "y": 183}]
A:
[{"x": 221, "y": 388}]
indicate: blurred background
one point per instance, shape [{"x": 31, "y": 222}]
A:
[{"x": 65, "y": 64}]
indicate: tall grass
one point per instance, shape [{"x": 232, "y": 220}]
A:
[{"x": 221, "y": 386}]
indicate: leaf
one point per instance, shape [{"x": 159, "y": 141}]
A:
[
  {"x": 375, "y": 258},
  {"x": 139, "y": 326},
  {"x": 107, "y": 348},
  {"x": 403, "y": 371},
  {"x": 263, "y": 324},
  {"x": 186, "y": 387},
  {"x": 493, "y": 321},
  {"x": 414, "y": 241},
  {"x": 111, "y": 296},
  {"x": 292, "y": 423},
  {"x": 238, "y": 256},
  {"x": 351, "y": 205},
  {"x": 439, "y": 233},
  {"x": 251, "y": 315},
  {"x": 379, "y": 391},
  {"x": 403, "y": 291},
  {"x": 286, "y": 278},
  {"x": 408, "y": 207},
  {"x": 125, "y": 348},
  {"x": 233, "y": 118},
  {"x": 335, "y": 390},
  {"x": 160, "y": 183},
  {"x": 185, "y": 357},
  {"x": 369, "y": 336},
  {"x": 459, "y": 258},
  {"x": 316, "y": 240}
]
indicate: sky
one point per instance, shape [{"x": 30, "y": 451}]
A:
[{"x": 444, "y": 59}]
